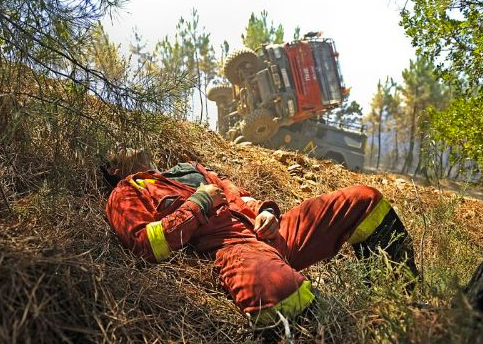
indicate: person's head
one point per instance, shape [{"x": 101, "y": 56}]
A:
[{"x": 125, "y": 162}]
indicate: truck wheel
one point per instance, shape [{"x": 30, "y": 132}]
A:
[
  {"x": 244, "y": 58},
  {"x": 220, "y": 94},
  {"x": 259, "y": 126},
  {"x": 239, "y": 139}
]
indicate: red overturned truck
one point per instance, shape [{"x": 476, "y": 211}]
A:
[{"x": 278, "y": 96}]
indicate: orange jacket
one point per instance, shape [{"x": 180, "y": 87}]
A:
[{"x": 152, "y": 215}]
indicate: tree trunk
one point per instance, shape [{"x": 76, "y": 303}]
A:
[
  {"x": 396, "y": 151},
  {"x": 441, "y": 159},
  {"x": 199, "y": 85},
  {"x": 409, "y": 158},
  {"x": 422, "y": 166},
  {"x": 371, "y": 158},
  {"x": 458, "y": 171},
  {"x": 379, "y": 139},
  {"x": 450, "y": 167},
  {"x": 206, "y": 100}
]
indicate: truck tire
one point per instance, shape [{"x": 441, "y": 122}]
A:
[
  {"x": 239, "y": 139},
  {"x": 243, "y": 58},
  {"x": 220, "y": 94},
  {"x": 259, "y": 126}
]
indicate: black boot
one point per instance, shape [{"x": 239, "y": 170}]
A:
[
  {"x": 393, "y": 238},
  {"x": 474, "y": 291}
]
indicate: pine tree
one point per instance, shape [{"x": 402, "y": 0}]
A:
[
  {"x": 420, "y": 91},
  {"x": 380, "y": 105},
  {"x": 259, "y": 31},
  {"x": 192, "y": 52}
]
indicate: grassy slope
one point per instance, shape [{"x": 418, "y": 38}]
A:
[{"x": 65, "y": 278}]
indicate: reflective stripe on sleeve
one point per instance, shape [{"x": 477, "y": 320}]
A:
[
  {"x": 157, "y": 240},
  {"x": 370, "y": 223},
  {"x": 289, "y": 307}
]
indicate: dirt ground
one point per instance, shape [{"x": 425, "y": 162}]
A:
[{"x": 460, "y": 187}]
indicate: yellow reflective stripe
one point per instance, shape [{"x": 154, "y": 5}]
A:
[
  {"x": 157, "y": 240},
  {"x": 141, "y": 183},
  {"x": 133, "y": 183},
  {"x": 370, "y": 223},
  {"x": 289, "y": 307}
]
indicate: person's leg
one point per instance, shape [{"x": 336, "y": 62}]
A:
[
  {"x": 391, "y": 236},
  {"x": 261, "y": 282},
  {"x": 316, "y": 229},
  {"x": 474, "y": 290}
]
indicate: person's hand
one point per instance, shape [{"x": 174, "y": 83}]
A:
[
  {"x": 216, "y": 194},
  {"x": 266, "y": 225}
]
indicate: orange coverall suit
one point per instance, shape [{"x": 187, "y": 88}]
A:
[{"x": 152, "y": 216}]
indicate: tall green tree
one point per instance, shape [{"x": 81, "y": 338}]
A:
[
  {"x": 420, "y": 90},
  {"x": 380, "y": 104},
  {"x": 192, "y": 52},
  {"x": 259, "y": 31},
  {"x": 55, "y": 39},
  {"x": 370, "y": 122},
  {"x": 105, "y": 55},
  {"x": 460, "y": 127},
  {"x": 396, "y": 126},
  {"x": 449, "y": 34}
]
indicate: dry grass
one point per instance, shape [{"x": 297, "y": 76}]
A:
[{"x": 65, "y": 278}]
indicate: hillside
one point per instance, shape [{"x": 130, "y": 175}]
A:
[{"x": 66, "y": 278}]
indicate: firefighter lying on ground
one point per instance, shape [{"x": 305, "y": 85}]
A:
[{"x": 259, "y": 251}]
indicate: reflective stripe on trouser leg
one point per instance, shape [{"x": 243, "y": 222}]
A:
[
  {"x": 289, "y": 307},
  {"x": 261, "y": 282},
  {"x": 391, "y": 236},
  {"x": 372, "y": 221}
]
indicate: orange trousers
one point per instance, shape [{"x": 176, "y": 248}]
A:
[{"x": 262, "y": 275}]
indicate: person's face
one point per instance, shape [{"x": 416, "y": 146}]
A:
[{"x": 131, "y": 161}]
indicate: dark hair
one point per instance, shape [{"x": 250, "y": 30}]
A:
[{"x": 109, "y": 179}]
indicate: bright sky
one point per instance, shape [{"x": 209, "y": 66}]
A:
[{"x": 370, "y": 42}]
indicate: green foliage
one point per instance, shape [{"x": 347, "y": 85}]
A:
[
  {"x": 191, "y": 52},
  {"x": 48, "y": 31},
  {"x": 421, "y": 90},
  {"x": 381, "y": 105},
  {"x": 449, "y": 34},
  {"x": 421, "y": 87},
  {"x": 67, "y": 97},
  {"x": 402, "y": 110},
  {"x": 259, "y": 31},
  {"x": 105, "y": 55},
  {"x": 296, "y": 34},
  {"x": 349, "y": 112},
  {"x": 461, "y": 126}
]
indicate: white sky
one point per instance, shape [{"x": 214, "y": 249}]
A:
[{"x": 370, "y": 42}]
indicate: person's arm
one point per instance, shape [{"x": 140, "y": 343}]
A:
[
  {"x": 255, "y": 205},
  {"x": 260, "y": 206},
  {"x": 132, "y": 216}
]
